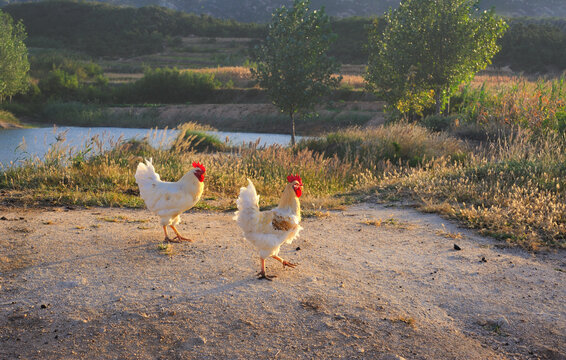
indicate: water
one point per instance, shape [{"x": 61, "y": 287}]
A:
[{"x": 17, "y": 145}]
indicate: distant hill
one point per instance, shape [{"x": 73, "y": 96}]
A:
[{"x": 260, "y": 10}]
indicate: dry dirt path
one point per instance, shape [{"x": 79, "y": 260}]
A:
[{"x": 91, "y": 283}]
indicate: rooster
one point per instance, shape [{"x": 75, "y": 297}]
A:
[
  {"x": 268, "y": 230},
  {"x": 170, "y": 199}
]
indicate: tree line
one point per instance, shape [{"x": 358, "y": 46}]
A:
[{"x": 99, "y": 29}]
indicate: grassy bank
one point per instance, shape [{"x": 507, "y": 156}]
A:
[
  {"x": 8, "y": 120},
  {"x": 512, "y": 189},
  {"x": 262, "y": 118}
]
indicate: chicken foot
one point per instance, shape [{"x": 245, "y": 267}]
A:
[
  {"x": 284, "y": 262},
  {"x": 262, "y": 275},
  {"x": 176, "y": 239}
]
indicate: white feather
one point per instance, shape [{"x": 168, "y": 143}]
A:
[
  {"x": 167, "y": 199},
  {"x": 258, "y": 225}
]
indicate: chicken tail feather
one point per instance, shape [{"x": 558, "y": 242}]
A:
[
  {"x": 247, "y": 215},
  {"x": 146, "y": 173}
]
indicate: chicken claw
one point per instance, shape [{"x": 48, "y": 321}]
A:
[
  {"x": 291, "y": 265},
  {"x": 284, "y": 262},
  {"x": 262, "y": 275},
  {"x": 178, "y": 238}
]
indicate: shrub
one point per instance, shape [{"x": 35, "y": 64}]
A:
[
  {"x": 165, "y": 85},
  {"x": 440, "y": 122},
  {"x": 198, "y": 140},
  {"x": 398, "y": 143}
]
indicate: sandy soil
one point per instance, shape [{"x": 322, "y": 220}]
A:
[{"x": 91, "y": 283}]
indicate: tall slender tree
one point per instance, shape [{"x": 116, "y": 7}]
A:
[
  {"x": 14, "y": 64},
  {"x": 292, "y": 64},
  {"x": 430, "y": 47}
]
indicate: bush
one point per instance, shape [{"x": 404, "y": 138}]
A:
[
  {"x": 398, "y": 143},
  {"x": 8, "y": 117},
  {"x": 561, "y": 121},
  {"x": 165, "y": 85},
  {"x": 440, "y": 122}
]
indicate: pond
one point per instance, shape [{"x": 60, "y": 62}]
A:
[{"x": 17, "y": 145}]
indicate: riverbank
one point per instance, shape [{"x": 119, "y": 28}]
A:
[{"x": 262, "y": 118}]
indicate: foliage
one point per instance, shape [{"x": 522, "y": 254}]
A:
[
  {"x": 428, "y": 49},
  {"x": 534, "y": 105},
  {"x": 14, "y": 64},
  {"x": 169, "y": 86},
  {"x": 533, "y": 45},
  {"x": 8, "y": 117},
  {"x": 106, "y": 30},
  {"x": 292, "y": 63}
]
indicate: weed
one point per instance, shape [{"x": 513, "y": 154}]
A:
[{"x": 389, "y": 223}]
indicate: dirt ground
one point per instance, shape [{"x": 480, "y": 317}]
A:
[{"x": 373, "y": 282}]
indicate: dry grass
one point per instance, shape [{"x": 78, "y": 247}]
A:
[
  {"x": 448, "y": 234},
  {"x": 512, "y": 189},
  {"x": 238, "y": 76},
  {"x": 392, "y": 223},
  {"x": 353, "y": 81}
]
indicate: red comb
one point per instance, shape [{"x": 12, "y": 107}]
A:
[
  {"x": 292, "y": 178},
  {"x": 196, "y": 164}
]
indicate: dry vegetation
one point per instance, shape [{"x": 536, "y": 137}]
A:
[
  {"x": 510, "y": 186},
  {"x": 512, "y": 189}
]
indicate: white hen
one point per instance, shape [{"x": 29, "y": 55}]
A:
[
  {"x": 268, "y": 230},
  {"x": 170, "y": 199}
]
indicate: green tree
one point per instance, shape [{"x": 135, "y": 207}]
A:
[
  {"x": 292, "y": 64},
  {"x": 428, "y": 48},
  {"x": 14, "y": 64}
]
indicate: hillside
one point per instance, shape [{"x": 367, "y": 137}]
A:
[
  {"x": 106, "y": 30},
  {"x": 260, "y": 10}
]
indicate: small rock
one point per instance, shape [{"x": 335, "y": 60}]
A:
[
  {"x": 457, "y": 248},
  {"x": 339, "y": 317},
  {"x": 3, "y": 218},
  {"x": 391, "y": 357},
  {"x": 483, "y": 259},
  {"x": 43, "y": 306},
  {"x": 196, "y": 341},
  {"x": 298, "y": 248}
]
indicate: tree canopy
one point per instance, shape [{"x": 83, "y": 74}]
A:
[
  {"x": 292, "y": 64},
  {"x": 14, "y": 64},
  {"x": 428, "y": 48}
]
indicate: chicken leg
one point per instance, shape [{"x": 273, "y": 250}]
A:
[
  {"x": 284, "y": 262},
  {"x": 179, "y": 237},
  {"x": 176, "y": 239},
  {"x": 262, "y": 275}
]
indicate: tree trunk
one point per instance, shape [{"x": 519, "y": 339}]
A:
[{"x": 292, "y": 115}]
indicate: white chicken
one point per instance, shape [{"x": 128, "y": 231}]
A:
[
  {"x": 170, "y": 199},
  {"x": 268, "y": 230}
]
